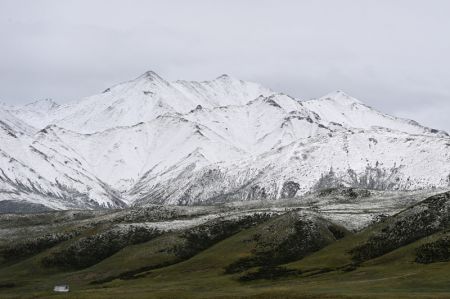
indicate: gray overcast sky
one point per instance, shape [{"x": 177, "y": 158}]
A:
[{"x": 394, "y": 55}]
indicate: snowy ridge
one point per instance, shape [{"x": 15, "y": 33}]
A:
[
  {"x": 153, "y": 141},
  {"x": 350, "y": 112},
  {"x": 37, "y": 114},
  {"x": 142, "y": 99},
  {"x": 13, "y": 125}
]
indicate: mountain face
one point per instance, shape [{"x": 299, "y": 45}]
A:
[
  {"x": 139, "y": 100},
  {"x": 153, "y": 141}
]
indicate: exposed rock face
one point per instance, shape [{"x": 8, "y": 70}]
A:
[{"x": 289, "y": 189}]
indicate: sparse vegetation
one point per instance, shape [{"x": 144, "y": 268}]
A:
[
  {"x": 269, "y": 272},
  {"x": 294, "y": 254},
  {"x": 88, "y": 251},
  {"x": 417, "y": 222},
  {"x": 33, "y": 246},
  {"x": 306, "y": 237},
  {"x": 203, "y": 236},
  {"x": 433, "y": 252}
]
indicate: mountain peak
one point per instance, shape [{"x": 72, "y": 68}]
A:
[
  {"x": 223, "y": 77},
  {"x": 341, "y": 97},
  {"x": 133, "y": 143},
  {"x": 151, "y": 75},
  {"x": 4, "y": 106},
  {"x": 226, "y": 78},
  {"x": 44, "y": 104}
]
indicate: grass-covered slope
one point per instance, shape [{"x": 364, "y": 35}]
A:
[{"x": 246, "y": 254}]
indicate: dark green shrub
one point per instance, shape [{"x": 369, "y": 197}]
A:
[
  {"x": 437, "y": 251},
  {"x": 90, "y": 250}
]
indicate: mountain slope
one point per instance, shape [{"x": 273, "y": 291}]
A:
[
  {"x": 38, "y": 114},
  {"x": 13, "y": 125},
  {"x": 33, "y": 173},
  {"x": 144, "y": 99},
  {"x": 149, "y": 140},
  {"x": 375, "y": 159},
  {"x": 343, "y": 109}
]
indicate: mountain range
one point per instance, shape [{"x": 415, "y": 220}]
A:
[{"x": 151, "y": 141}]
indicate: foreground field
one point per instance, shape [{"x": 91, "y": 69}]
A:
[{"x": 229, "y": 252}]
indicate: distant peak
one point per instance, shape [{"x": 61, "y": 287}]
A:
[
  {"x": 341, "y": 97},
  {"x": 337, "y": 93},
  {"x": 270, "y": 99},
  {"x": 223, "y": 77},
  {"x": 151, "y": 75},
  {"x": 226, "y": 78},
  {"x": 46, "y": 104},
  {"x": 4, "y": 105}
]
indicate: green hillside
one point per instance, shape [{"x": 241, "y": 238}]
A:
[{"x": 288, "y": 254}]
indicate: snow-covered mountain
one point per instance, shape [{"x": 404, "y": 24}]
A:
[
  {"x": 139, "y": 100},
  {"x": 153, "y": 141}
]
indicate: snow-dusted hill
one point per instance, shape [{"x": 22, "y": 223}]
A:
[{"x": 153, "y": 141}]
